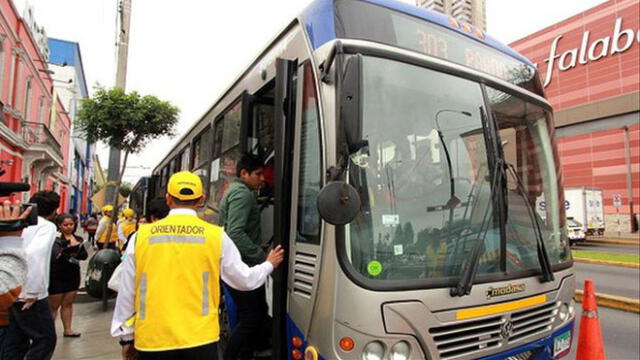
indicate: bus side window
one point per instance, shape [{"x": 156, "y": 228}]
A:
[
  {"x": 226, "y": 153},
  {"x": 201, "y": 153},
  {"x": 195, "y": 153},
  {"x": 185, "y": 159},
  {"x": 310, "y": 174}
]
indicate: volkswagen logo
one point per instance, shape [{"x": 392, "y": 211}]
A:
[{"x": 506, "y": 330}]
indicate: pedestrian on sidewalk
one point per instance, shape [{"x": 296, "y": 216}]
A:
[
  {"x": 240, "y": 217},
  {"x": 167, "y": 306},
  {"x": 91, "y": 225},
  {"x": 158, "y": 210},
  {"x": 13, "y": 266},
  {"x": 103, "y": 230},
  {"x": 126, "y": 227},
  {"x": 31, "y": 334},
  {"x": 64, "y": 282}
]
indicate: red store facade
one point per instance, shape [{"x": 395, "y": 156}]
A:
[
  {"x": 590, "y": 67},
  {"x": 35, "y": 128}
]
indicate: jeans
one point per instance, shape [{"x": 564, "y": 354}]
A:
[
  {"x": 91, "y": 237},
  {"x": 252, "y": 318},
  {"x": 31, "y": 334},
  {"x": 204, "y": 352}
]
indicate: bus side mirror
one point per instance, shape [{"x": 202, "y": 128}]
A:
[{"x": 338, "y": 203}]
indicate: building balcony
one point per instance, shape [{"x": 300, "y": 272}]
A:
[{"x": 38, "y": 137}]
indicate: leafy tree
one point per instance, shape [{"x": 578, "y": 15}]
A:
[
  {"x": 125, "y": 189},
  {"x": 125, "y": 121}
]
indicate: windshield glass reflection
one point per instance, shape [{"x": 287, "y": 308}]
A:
[{"x": 424, "y": 176}]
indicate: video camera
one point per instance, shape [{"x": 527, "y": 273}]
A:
[{"x": 7, "y": 189}]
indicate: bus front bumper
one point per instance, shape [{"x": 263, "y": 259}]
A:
[{"x": 555, "y": 346}]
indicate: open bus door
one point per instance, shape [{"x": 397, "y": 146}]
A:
[
  {"x": 267, "y": 128},
  {"x": 284, "y": 135}
]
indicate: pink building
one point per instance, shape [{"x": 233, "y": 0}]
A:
[
  {"x": 34, "y": 126},
  {"x": 590, "y": 67}
]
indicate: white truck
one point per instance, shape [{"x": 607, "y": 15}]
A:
[{"x": 585, "y": 205}]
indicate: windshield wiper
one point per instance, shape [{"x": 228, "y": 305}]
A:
[
  {"x": 463, "y": 287},
  {"x": 543, "y": 256}
]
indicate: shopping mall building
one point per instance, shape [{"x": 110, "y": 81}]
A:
[{"x": 590, "y": 67}]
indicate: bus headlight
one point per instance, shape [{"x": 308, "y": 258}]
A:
[
  {"x": 572, "y": 307},
  {"x": 373, "y": 351},
  {"x": 400, "y": 351},
  {"x": 563, "y": 313}
]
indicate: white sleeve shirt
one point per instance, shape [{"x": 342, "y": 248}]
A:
[
  {"x": 38, "y": 241},
  {"x": 233, "y": 270},
  {"x": 102, "y": 227},
  {"x": 121, "y": 236}
]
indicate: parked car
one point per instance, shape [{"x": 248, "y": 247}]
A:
[{"x": 575, "y": 231}]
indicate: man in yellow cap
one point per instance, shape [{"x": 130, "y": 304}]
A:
[
  {"x": 103, "y": 229},
  {"x": 167, "y": 306},
  {"x": 126, "y": 227}
]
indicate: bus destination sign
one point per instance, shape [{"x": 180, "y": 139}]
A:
[{"x": 437, "y": 41}]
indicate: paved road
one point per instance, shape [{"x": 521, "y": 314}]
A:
[
  {"x": 612, "y": 248},
  {"x": 620, "y": 331},
  {"x": 614, "y": 280}
]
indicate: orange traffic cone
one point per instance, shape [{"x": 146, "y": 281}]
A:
[{"x": 590, "y": 345}]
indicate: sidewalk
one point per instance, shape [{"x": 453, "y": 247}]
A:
[
  {"x": 89, "y": 320},
  {"x": 95, "y": 342},
  {"x": 614, "y": 238}
]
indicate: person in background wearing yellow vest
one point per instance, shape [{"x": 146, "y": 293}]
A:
[
  {"x": 103, "y": 227},
  {"x": 167, "y": 306},
  {"x": 126, "y": 227}
]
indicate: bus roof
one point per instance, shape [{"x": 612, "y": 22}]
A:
[{"x": 319, "y": 22}]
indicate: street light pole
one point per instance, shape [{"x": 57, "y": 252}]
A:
[
  {"x": 633, "y": 224},
  {"x": 124, "y": 13}
]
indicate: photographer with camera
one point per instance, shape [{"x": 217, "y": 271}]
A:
[
  {"x": 31, "y": 333},
  {"x": 13, "y": 266}
]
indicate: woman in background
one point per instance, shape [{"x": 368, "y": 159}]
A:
[
  {"x": 68, "y": 250},
  {"x": 91, "y": 225}
]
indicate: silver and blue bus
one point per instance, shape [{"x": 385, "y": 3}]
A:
[{"x": 412, "y": 177}]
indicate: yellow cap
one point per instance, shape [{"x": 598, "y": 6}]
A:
[
  {"x": 128, "y": 213},
  {"x": 185, "y": 185},
  {"x": 107, "y": 208}
]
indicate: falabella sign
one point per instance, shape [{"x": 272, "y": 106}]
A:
[{"x": 620, "y": 41}]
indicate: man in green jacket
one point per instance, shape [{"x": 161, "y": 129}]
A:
[{"x": 240, "y": 217}]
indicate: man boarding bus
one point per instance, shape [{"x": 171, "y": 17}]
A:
[{"x": 167, "y": 306}]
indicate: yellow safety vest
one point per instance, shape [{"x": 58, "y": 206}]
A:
[
  {"x": 177, "y": 283},
  {"x": 128, "y": 227},
  {"x": 114, "y": 232}
]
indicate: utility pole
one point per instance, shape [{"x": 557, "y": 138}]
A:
[
  {"x": 124, "y": 13},
  {"x": 633, "y": 224}
]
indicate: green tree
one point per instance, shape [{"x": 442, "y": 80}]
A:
[
  {"x": 125, "y": 189},
  {"x": 125, "y": 121}
]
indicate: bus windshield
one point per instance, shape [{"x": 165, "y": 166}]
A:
[{"x": 427, "y": 182}]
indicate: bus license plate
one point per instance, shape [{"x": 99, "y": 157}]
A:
[{"x": 561, "y": 343}]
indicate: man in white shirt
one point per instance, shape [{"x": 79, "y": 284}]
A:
[
  {"x": 169, "y": 291},
  {"x": 31, "y": 334}
]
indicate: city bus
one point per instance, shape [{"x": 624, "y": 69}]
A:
[
  {"x": 405, "y": 153},
  {"x": 140, "y": 195}
]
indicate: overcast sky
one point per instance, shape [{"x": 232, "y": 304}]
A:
[{"x": 189, "y": 51}]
